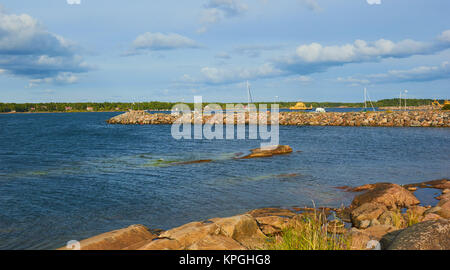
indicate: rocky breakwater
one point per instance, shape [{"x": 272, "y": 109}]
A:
[
  {"x": 381, "y": 216},
  {"x": 429, "y": 118}
]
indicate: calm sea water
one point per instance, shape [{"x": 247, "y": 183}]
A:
[{"x": 72, "y": 176}]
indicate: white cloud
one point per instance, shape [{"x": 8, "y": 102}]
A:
[
  {"x": 215, "y": 11},
  {"x": 61, "y": 78},
  {"x": 315, "y": 57},
  {"x": 159, "y": 42},
  {"x": 417, "y": 74},
  {"x": 374, "y": 2},
  {"x": 28, "y": 50},
  {"x": 445, "y": 36}
]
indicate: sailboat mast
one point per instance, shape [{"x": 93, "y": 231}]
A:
[
  {"x": 249, "y": 94},
  {"x": 365, "y": 98}
]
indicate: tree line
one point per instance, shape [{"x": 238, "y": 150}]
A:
[{"x": 157, "y": 105}]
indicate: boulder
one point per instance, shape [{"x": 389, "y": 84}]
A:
[
  {"x": 268, "y": 151},
  {"x": 363, "y": 215},
  {"x": 243, "y": 228},
  {"x": 444, "y": 210},
  {"x": 427, "y": 235},
  {"x": 190, "y": 233},
  {"x": 431, "y": 216},
  {"x": 118, "y": 239},
  {"x": 271, "y": 225},
  {"x": 390, "y": 195}
]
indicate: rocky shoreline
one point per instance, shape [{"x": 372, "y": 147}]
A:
[
  {"x": 381, "y": 216},
  {"x": 429, "y": 118}
]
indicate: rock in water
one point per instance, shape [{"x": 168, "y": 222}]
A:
[
  {"x": 427, "y": 235},
  {"x": 269, "y": 151}
]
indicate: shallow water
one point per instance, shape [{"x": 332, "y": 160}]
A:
[{"x": 72, "y": 176}]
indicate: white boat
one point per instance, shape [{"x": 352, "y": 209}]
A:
[{"x": 320, "y": 110}]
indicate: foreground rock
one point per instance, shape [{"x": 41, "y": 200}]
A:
[
  {"x": 128, "y": 238},
  {"x": 428, "y": 235}
]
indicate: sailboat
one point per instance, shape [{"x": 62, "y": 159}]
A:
[{"x": 366, "y": 97}]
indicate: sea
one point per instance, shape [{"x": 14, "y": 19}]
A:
[{"x": 70, "y": 176}]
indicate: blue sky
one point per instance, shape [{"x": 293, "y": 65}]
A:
[{"x": 312, "y": 50}]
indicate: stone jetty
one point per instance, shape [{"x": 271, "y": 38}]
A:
[
  {"x": 381, "y": 216},
  {"x": 429, "y": 118}
]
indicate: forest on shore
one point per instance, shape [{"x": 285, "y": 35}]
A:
[{"x": 161, "y": 106}]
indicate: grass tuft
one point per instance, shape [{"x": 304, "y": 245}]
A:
[{"x": 308, "y": 231}]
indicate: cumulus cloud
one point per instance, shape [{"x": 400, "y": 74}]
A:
[
  {"x": 160, "y": 42},
  {"x": 315, "y": 57},
  {"x": 215, "y": 11},
  {"x": 417, "y": 74},
  {"x": 27, "y": 49}
]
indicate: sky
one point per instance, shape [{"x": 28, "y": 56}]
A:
[{"x": 171, "y": 50}]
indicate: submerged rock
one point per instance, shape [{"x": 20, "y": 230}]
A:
[{"x": 268, "y": 151}]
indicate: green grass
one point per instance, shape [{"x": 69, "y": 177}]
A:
[{"x": 308, "y": 232}]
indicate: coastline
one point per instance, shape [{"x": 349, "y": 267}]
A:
[{"x": 386, "y": 214}]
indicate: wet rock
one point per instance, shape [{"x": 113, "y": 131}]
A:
[
  {"x": 390, "y": 195},
  {"x": 269, "y": 151},
  {"x": 118, "y": 239},
  {"x": 427, "y": 235}
]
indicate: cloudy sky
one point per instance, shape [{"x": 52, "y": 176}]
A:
[{"x": 171, "y": 50}]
